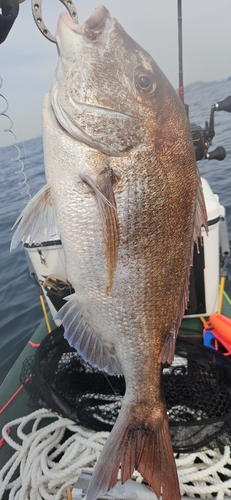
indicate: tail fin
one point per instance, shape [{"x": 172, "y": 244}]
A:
[{"x": 136, "y": 444}]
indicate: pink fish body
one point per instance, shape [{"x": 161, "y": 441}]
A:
[{"x": 124, "y": 190}]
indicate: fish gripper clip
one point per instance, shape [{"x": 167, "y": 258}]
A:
[{"x": 37, "y": 14}]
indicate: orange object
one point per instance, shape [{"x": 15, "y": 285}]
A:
[{"x": 222, "y": 325}]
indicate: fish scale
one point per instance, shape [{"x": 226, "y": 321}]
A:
[{"x": 124, "y": 187}]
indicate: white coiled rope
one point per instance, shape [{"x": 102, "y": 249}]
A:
[{"x": 40, "y": 474}]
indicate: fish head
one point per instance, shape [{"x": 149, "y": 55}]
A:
[{"x": 108, "y": 92}]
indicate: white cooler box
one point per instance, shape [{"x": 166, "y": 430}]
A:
[{"x": 204, "y": 280}]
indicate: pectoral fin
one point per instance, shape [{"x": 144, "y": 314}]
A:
[
  {"x": 108, "y": 213},
  {"x": 37, "y": 222}
]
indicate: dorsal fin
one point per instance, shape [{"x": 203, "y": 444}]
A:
[{"x": 168, "y": 350}]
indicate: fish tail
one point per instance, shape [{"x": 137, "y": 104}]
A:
[{"x": 137, "y": 444}]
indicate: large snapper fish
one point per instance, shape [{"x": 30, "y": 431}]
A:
[{"x": 124, "y": 190}]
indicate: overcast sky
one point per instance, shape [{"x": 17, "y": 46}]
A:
[{"x": 28, "y": 60}]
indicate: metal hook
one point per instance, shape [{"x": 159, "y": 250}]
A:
[{"x": 37, "y": 14}]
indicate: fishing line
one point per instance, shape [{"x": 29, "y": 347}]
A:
[
  {"x": 25, "y": 192},
  {"x": 107, "y": 379}
]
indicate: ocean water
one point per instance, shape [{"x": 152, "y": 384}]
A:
[{"x": 20, "y": 306}]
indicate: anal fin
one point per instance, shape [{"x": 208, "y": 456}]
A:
[{"x": 168, "y": 350}]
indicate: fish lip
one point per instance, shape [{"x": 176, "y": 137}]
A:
[
  {"x": 99, "y": 21},
  {"x": 69, "y": 23},
  {"x": 96, "y": 23}
]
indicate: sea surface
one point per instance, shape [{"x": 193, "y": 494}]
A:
[{"x": 20, "y": 307}]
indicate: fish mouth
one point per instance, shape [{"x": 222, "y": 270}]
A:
[
  {"x": 96, "y": 23},
  {"x": 99, "y": 21}
]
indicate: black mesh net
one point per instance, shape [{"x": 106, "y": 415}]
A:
[{"x": 197, "y": 389}]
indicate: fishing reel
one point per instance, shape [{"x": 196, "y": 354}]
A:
[{"x": 202, "y": 137}]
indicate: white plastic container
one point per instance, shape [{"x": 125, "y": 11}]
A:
[
  {"x": 45, "y": 260},
  {"x": 210, "y": 274}
]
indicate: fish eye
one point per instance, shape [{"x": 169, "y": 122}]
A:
[{"x": 144, "y": 82}]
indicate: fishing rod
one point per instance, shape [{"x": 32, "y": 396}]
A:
[
  {"x": 180, "y": 51},
  {"x": 202, "y": 137}
]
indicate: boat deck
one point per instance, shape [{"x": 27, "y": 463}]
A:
[{"x": 14, "y": 398}]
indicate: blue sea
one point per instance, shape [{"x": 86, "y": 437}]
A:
[{"x": 20, "y": 306}]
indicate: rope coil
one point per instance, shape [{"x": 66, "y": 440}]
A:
[{"x": 46, "y": 464}]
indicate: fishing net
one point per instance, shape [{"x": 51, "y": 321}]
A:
[{"x": 197, "y": 389}]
